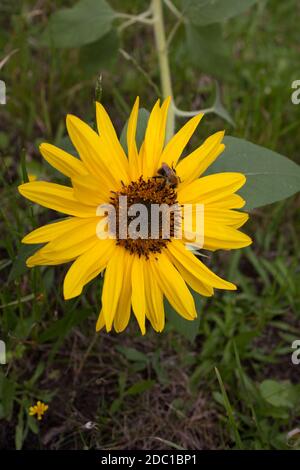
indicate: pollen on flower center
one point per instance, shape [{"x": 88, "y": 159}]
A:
[{"x": 150, "y": 192}]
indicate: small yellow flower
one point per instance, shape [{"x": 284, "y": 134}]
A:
[
  {"x": 39, "y": 409},
  {"x": 32, "y": 177}
]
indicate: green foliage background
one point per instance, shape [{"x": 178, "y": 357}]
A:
[{"x": 226, "y": 382}]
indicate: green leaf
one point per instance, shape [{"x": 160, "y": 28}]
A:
[
  {"x": 170, "y": 444},
  {"x": 4, "y": 140},
  {"x": 100, "y": 55},
  {"x": 218, "y": 107},
  {"x": 132, "y": 354},
  {"x": 140, "y": 129},
  {"x": 140, "y": 387},
  {"x": 19, "y": 434},
  {"x": 7, "y": 394},
  {"x": 60, "y": 328},
  {"x": 32, "y": 424},
  {"x": 279, "y": 394},
  {"x": 19, "y": 265},
  {"x": 207, "y": 50},
  {"x": 84, "y": 23},
  {"x": 270, "y": 176},
  {"x": 204, "y": 12},
  {"x": 229, "y": 410},
  {"x": 188, "y": 328},
  {"x": 116, "y": 405},
  {"x": 37, "y": 373}
]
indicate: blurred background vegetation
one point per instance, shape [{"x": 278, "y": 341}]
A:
[{"x": 161, "y": 390}]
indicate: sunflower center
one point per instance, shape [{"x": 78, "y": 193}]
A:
[{"x": 146, "y": 215}]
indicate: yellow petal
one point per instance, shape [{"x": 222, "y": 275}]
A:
[
  {"x": 196, "y": 284},
  {"x": 89, "y": 190},
  {"x": 62, "y": 161},
  {"x": 57, "y": 197},
  {"x": 216, "y": 223},
  {"x": 109, "y": 140},
  {"x": 155, "y": 137},
  {"x": 138, "y": 299},
  {"x": 164, "y": 116},
  {"x": 174, "y": 287},
  {"x": 196, "y": 267},
  {"x": 222, "y": 237},
  {"x": 233, "y": 201},
  {"x": 193, "y": 165},
  {"x": 211, "y": 188},
  {"x": 151, "y": 140},
  {"x": 177, "y": 144},
  {"x": 220, "y": 216},
  {"x": 65, "y": 248},
  {"x": 133, "y": 156},
  {"x": 124, "y": 306},
  {"x": 39, "y": 260},
  {"x": 96, "y": 156},
  {"x": 54, "y": 230},
  {"x": 74, "y": 243},
  {"x": 100, "y": 322},
  {"x": 87, "y": 267},
  {"x": 154, "y": 300},
  {"x": 212, "y": 219},
  {"x": 142, "y": 160},
  {"x": 113, "y": 281}
]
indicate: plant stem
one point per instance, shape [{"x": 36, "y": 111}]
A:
[
  {"x": 173, "y": 32},
  {"x": 140, "y": 69},
  {"x": 164, "y": 66},
  {"x": 173, "y": 9},
  {"x": 128, "y": 16},
  {"x": 132, "y": 19},
  {"x": 182, "y": 113}
]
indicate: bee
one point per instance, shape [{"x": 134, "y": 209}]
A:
[{"x": 169, "y": 175}]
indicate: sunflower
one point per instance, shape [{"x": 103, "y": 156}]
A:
[{"x": 139, "y": 272}]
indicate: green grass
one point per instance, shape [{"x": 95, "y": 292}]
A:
[{"x": 157, "y": 391}]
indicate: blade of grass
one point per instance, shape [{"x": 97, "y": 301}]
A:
[{"x": 229, "y": 412}]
